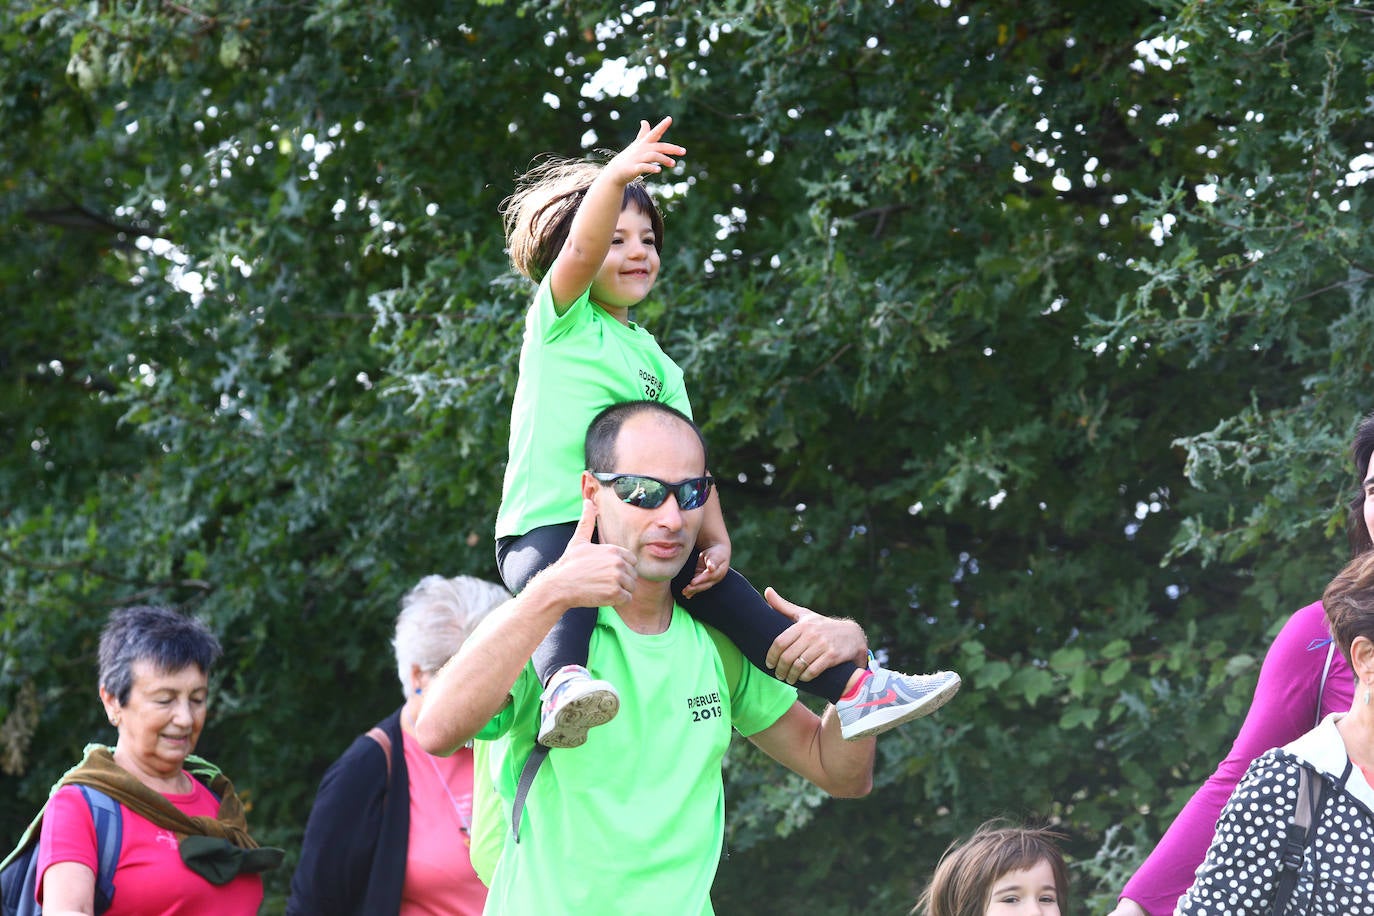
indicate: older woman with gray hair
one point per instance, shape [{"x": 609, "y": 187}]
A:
[
  {"x": 182, "y": 845},
  {"x": 390, "y": 829}
]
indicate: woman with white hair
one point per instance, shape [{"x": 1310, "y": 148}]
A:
[{"x": 390, "y": 829}]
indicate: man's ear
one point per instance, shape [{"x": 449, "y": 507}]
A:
[{"x": 590, "y": 486}]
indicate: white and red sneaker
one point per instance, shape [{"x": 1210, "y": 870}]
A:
[{"x": 573, "y": 702}]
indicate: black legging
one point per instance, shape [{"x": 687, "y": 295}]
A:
[{"x": 732, "y": 606}]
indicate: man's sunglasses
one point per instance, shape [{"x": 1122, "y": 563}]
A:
[{"x": 650, "y": 492}]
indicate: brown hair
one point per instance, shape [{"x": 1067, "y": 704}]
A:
[
  {"x": 1349, "y": 602},
  {"x": 963, "y": 881},
  {"x": 1360, "y": 450},
  {"x": 539, "y": 214}
]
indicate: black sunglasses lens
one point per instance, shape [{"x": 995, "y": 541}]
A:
[
  {"x": 643, "y": 492},
  {"x": 692, "y": 493}
]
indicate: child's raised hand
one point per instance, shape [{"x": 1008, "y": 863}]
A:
[
  {"x": 646, "y": 155},
  {"x": 713, "y": 562}
]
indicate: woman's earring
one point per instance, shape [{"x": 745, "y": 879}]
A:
[{"x": 420, "y": 690}]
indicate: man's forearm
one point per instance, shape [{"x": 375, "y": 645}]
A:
[
  {"x": 847, "y": 764},
  {"x": 812, "y": 747},
  {"x": 475, "y": 683}
]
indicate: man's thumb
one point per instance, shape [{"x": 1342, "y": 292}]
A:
[
  {"x": 586, "y": 524},
  {"x": 781, "y": 604}
]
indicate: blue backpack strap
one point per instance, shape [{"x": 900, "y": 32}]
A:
[
  {"x": 19, "y": 874},
  {"x": 109, "y": 838}
]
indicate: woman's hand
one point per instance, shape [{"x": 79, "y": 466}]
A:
[{"x": 1128, "y": 907}]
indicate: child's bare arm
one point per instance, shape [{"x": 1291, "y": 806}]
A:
[
  {"x": 589, "y": 237},
  {"x": 713, "y": 543}
]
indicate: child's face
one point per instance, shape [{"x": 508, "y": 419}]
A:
[
  {"x": 1029, "y": 892},
  {"x": 631, "y": 266}
]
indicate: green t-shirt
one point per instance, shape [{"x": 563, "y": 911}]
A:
[
  {"x": 490, "y": 821},
  {"x": 631, "y": 822},
  {"x": 572, "y": 367}
]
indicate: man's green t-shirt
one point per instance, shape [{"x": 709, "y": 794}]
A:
[
  {"x": 632, "y": 821},
  {"x": 490, "y": 821},
  {"x": 572, "y": 366}
]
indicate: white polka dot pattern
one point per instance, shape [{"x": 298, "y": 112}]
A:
[{"x": 1240, "y": 875}]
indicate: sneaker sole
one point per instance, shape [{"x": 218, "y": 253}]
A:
[
  {"x": 888, "y": 719},
  {"x": 571, "y": 724}
]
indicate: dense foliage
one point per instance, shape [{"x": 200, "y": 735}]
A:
[{"x": 1030, "y": 334}]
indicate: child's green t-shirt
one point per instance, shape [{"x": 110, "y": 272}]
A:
[{"x": 572, "y": 366}]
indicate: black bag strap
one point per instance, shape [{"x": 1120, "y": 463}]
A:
[
  {"x": 536, "y": 758},
  {"x": 1311, "y": 795},
  {"x": 522, "y": 789}
]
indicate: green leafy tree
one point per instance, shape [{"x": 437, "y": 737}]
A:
[{"x": 1031, "y": 335}]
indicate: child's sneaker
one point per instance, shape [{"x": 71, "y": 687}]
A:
[
  {"x": 574, "y": 702},
  {"x": 887, "y": 699}
]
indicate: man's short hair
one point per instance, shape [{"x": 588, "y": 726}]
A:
[{"x": 599, "y": 447}]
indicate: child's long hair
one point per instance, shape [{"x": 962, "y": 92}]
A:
[
  {"x": 540, "y": 212},
  {"x": 963, "y": 881}
]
